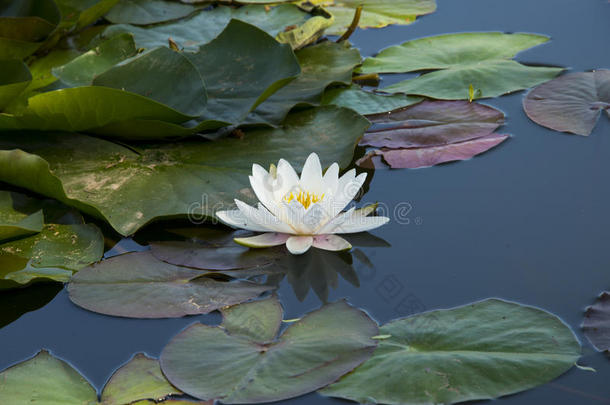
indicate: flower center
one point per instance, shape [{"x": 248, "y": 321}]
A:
[{"x": 305, "y": 198}]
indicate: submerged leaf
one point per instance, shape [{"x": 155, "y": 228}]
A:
[
  {"x": 479, "y": 351},
  {"x": 597, "y": 322},
  {"x": 570, "y": 103},
  {"x": 375, "y": 13},
  {"x": 235, "y": 366},
  {"x": 130, "y": 189},
  {"x": 481, "y": 60},
  {"x": 136, "y": 285}
]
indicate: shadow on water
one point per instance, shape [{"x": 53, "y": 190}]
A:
[{"x": 15, "y": 303}]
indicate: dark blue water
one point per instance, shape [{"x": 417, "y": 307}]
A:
[{"x": 528, "y": 221}]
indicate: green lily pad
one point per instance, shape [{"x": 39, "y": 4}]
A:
[
  {"x": 144, "y": 12},
  {"x": 199, "y": 29},
  {"x": 255, "y": 68},
  {"x": 375, "y": 13},
  {"x": 136, "y": 285},
  {"x": 78, "y": 14},
  {"x": 141, "y": 378},
  {"x": 53, "y": 254},
  {"x": 246, "y": 320},
  {"x": 478, "y": 351},
  {"x": 15, "y": 224},
  {"x": 47, "y": 380},
  {"x": 82, "y": 70},
  {"x": 481, "y": 60},
  {"x": 15, "y": 49},
  {"x": 321, "y": 65},
  {"x": 299, "y": 36},
  {"x": 130, "y": 189},
  {"x": 28, "y": 20},
  {"x": 234, "y": 366},
  {"x": 570, "y": 103},
  {"x": 365, "y": 102},
  {"x": 41, "y": 68},
  {"x": 14, "y": 79}
]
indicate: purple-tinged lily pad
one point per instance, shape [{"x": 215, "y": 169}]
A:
[
  {"x": 432, "y": 123},
  {"x": 570, "y": 103},
  {"x": 422, "y": 157},
  {"x": 597, "y": 322},
  {"x": 136, "y": 285},
  {"x": 238, "y": 366}
]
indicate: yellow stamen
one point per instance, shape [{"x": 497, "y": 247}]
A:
[{"x": 305, "y": 198}]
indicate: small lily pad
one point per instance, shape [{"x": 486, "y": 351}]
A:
[
  {"x": 144, "y": 12},
  {"x": 478, "y": 351},
  {"x": 597, "y": 322},
  {"x": 15, "y": 224},
  {"x": 136, "y": 285},
  {"x": 234, "y": 366},
  {"x": 570, "y": 103},
  {"x": 365, "y": 102}
]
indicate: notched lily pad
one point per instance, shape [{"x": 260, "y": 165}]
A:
[
  {"x": 136, "y": 285},
  {"x": 430, "y": 133},
  {"x": 597, "y": 322},
  {"x": 570, "y": 103},
  {"x": 234, "y": 366},
  {"x": 478, "y": 351}
]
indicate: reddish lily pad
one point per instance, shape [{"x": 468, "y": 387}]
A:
[
  {"x": 136, "y": 285},
  {"x": 597, "y": 322},
  {"x": 570, "y": 103}
]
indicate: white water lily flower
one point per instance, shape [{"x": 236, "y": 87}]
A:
[{"x": 302, "y": 212}]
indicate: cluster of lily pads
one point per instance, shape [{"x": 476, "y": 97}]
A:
[{"x": 134, "y": 111}]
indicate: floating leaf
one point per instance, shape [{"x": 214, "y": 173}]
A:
[
  {"x": 245, "y": 320},
  {"x": 81, "y": 70},
  {"x": 309, "y": 32},
  {"x": 205, "y": 25},
  {"x": 597, "y": 322},
  {"x": 478, "y": 351},
  {"x": 422, "y": 157},
  {"x": 136, "y": 285},
  {"x": 14, "y": 79},
  {"x": 28, "y": 20},
  {"x": 481, "y": 60},
  {"x": 52, "y": 254},
  {"x": 364, "y": 102},
  {"x": 15, "y": 224},
  {"x": 234, "y": 366},
  {"x": 144, "y": 12},
  {"x": 321, "y": 65},
  {"x": 432, "y": 123},
  {"x": 41, "y": 68},
  {"x": 130, "y": 189},
  {"x": 141, "y": 378},
  {"x": 375, "y": 13},
  {"x": 78, "y": 14},
  {"x": 570, "y": 103},
  {"x": 47, "y": 380}
]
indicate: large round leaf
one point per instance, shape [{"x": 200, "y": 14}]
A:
[
  {"x": 14, "y": 79},
  {"x": 481, "y": 60},
  {"x": 144, "y": 12},
  {"x": 236, "y": 366},
  {"x": 478, "y": 351},
  {"x": 375, "y": 13},
  {"x": 321, "y": 65},
  {"x": 130, "y": 189},
  {"x": 570, "y": 103},
  {"x": 136, "y": 285},
  {"x": 597, "y": 322},
  {"x": 45, "y": 379}
]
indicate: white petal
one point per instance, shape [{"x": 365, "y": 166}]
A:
[
  {"x": 358, "y": 223},
  {"x": 236, "y": 219},
  {"x": 311, "y": 177},
  {"x": 331, "y": 242},
  {"x": 331, "y": 179},
  {"x": 336, "y": 221},
  {"x": 262, "y": 217},
  {"x": 287, "y": 178},
  {"x": 263, "y": 240},
  {"x": 259, "y": 171},
  {"x": 263, "y": 189},
  {"x": 294, "y": 216},
  {"x": 347, "y": 189},
  {"x": 298, "y": 245}
]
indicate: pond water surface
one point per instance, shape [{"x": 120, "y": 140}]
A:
[{"x": 528, "y": 221}]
